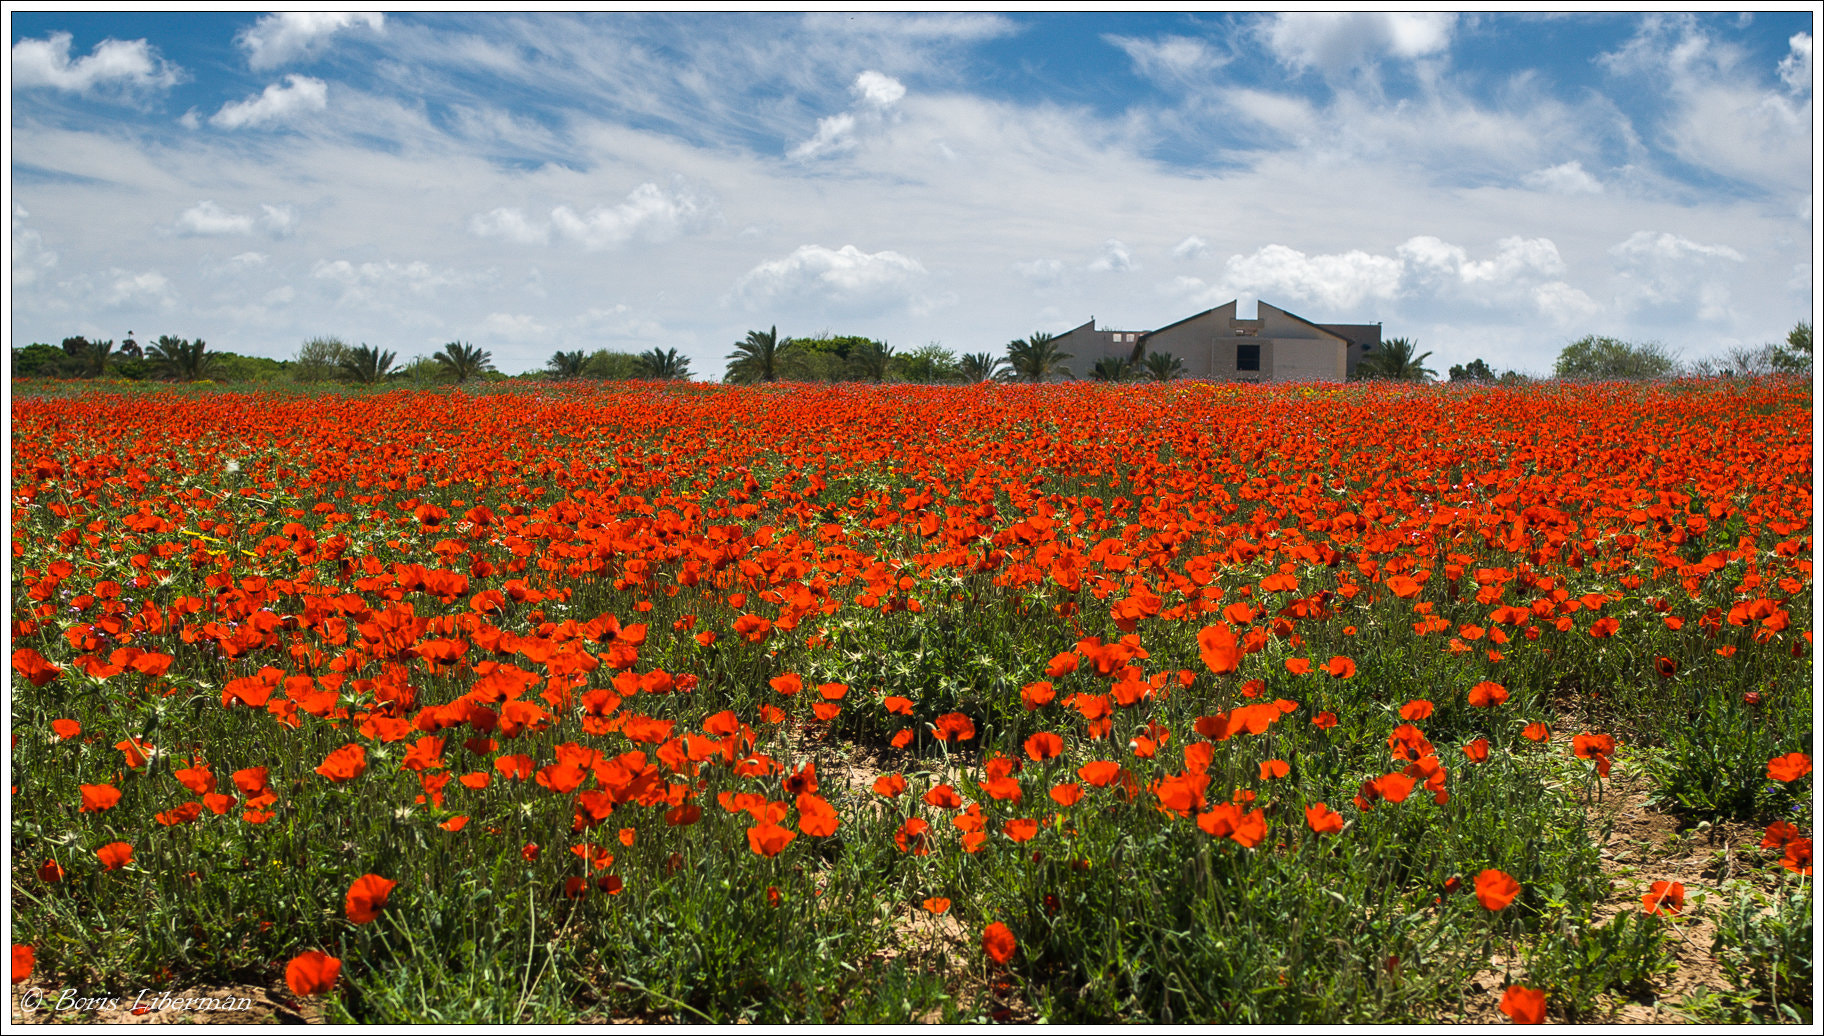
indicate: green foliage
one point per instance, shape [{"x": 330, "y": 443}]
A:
[
  {"x": 663, "y": 365},
  {"x": 928, "y": 364},
  {"x": 1111, "y": 368},
  {"x": 760, "y": 357},
  {"x": 612, "y": 365},
  {"x": 1601, "y": 358},
  {"x": 871, "y": 360},
  {"x": 462, "y": 361},
  {"x": 1577, "y": 962},
  {"x": 1037, "y": 358},
  {"x": 179, "y": 359},
  {"x": 1475, "y": 370},
  {"x": 1766, "y": 943},
  {"x": 566, "y": 365},
  {"x": 1396, "y": 359},
  {"x": 974, "y": 367},
  {"x": 1163, "y": 367},
  {"x": 1714, "y": 760},
  {"x": 368, "y": 365},
  {"x": 319, "y": 359},
  {"x": 39, "y": 360},
  {"x": 1795, "y": 356},
  {"x": 232, "y": 367}
]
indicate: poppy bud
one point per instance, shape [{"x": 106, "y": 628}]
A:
[{"x": 1751, "y": 698}]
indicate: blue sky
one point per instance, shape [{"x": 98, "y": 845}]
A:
[{"x": 1491, "y": 185}]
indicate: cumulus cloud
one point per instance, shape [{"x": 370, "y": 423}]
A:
[
  {"x": 649, "y": 213},
  {"x": 1040, "y": 271},
  {"x": 1344, "y": 40},
  {"x": 845, "y": 275},
  {"x": 1567, "y": 178},
  {"x": 1524, "y": 273},
  {"x": 207, "y": 219},
  {"x": 1673, "y": 274},
  {"x": 125, "y": 286},
  {"x": 1795, "y": 67},
  {"x": 30, "y": 258},
  {"x": 1115, "y": 258},
  {"x": 279, "y": 39},
  {"x": 298, "y": 95},
  {"x": 371, "y": 281},
  {"x": 128, "y": 65},
  {"x": 1192, "y": 247},
  {"x": 877, "y": 94}
]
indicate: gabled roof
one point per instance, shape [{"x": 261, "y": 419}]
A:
[
  {"x": 1190, "y": 318},
  {"x": 1307, "y": 323}
]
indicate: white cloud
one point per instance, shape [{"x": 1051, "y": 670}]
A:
[
  {"x": 1333, "y": 41},
  {"x": 881, "y": 91},
  {"x": 1645, "y": 245},
  {"x": 1567, "y": 178},
  {"x": 248, "y": 260},
  {"x": 515, "y": 327},
  {"x": 1040, "y": 271},
  {"x": 1192, "y": 247},
  {"x": 277, "y": 103},
  {"x": 845, "y": 275},
  {"x": 1115, "y": 258},
  {"x": 278, "y": 39},
  {"x": 207, "y": 219},
  {"x": 1795, "y": 68},
  {"x": 371, "y": 281},
  {"x": 1171, "y": 59},
  {"x": 878, "y": 93},
  {"x": 30, "y": 257},
  {"x": 119, "y": 64},
  {"x": 1338, "y": 282},
  {"x": 132, "y": 287},
  {"x": 649, "y": 213}
]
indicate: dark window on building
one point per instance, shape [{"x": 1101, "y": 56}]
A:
[{"x": 1247, "y": 357}]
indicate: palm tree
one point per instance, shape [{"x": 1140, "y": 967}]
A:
[
  {"x": 981, "y": 367},
  {"x": 368, "y": 364},
  {"x": 669, "y": 365},
  {"x": 181, "y": 360},
  {"x": 95, "y": 361},
  {"x": 1037, "y": 358},
  {"x": 1111, "y": 368},
  {"x": 463, "y": 360},
  {"x": 760, "y": 357},
  {"x": 1396, "y": 359},
  {"x": 1164, "y": 367},
  {"x": 871, "y": 359},
  {"x": 567, "y": 365}
]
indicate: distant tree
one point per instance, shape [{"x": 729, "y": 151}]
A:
[
  {"x": 319, "y": 359},
  {"x": 367, "y": 364},
  {"x": 96, "y": 360},
  {"x": 1037, "y": 358},
  {"x": 1476, "y": 370},
  {"x": 1111, "y": 368},
  {"x": 871, "y": 360},
  {"x": 928, "y": 364},
  {"x": 43, "y": 360},
  {"x": 975, "y": 367},
  {"x": 1163, "y": 367},
  {"x": 1598, "y": 357},
  {"x": 462, "y": 360},
  {"x": 181, "y": 360},
  {"x": 566, "y": 365},
  {"x": 612, "y": 365},
  {"x": 758, "y": 358},
  {"x": 664, "y": 365},
  {"x": 248, "y": 369},
  {"x": 1795, "y": 356},
  {"x": 1396, "y": 359},
  {"x": 130, "y": 348}
]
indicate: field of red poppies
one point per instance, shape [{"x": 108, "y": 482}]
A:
[{"x": 877, "y": 704}]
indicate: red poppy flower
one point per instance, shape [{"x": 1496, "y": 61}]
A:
[
  {"x": 890, "y": 786},
  {"x": 1798, "y": 856},
  {"x": 344, "y": 764},
  {"x": 24, "y": 959},
  {"x": 65, "y": 728},
  {"x": 1789, "y": 767},
  {"x": 998, "y": 943},
  {"x": 1496, "y": 889},
  {"x": 954, "y": 725},
  {"x": 1043, "y": 746},
  {"x": 1323, "y": 820},
  {"x": 769, "y": 839},
  {"x": 937, "y": 904},
  {"x": 1665, "y": 667},
  {"x": 1487, "y": 695},
  {"x": 1067, "y": 795},
  {"x": 1021, "y": 829},
  {"x": 1216, "y": 645},
  {"x": 911, "y": 836},
  {"x": 1416, "y": 710},
  {"x": 99, "y": 797},
  {"x": 816, "y": 817},
  {"x": 1525, "y": 1006},
  {"x": 1340, "y": 666},
  {"x": 1667, "y": 896},
  {"x": 1099, "y": 774},
  {"x": 1273, "y": 769},
  {"x": 312, "y": 972},
  {"x": 1536, "y": 731},
  {"x": 1778, "y": 834},
  {"x": 50, "y": 873},
  {"x": 115, "y": 855},
  {"x": 367, "y": 897},
  {"x": 1324, "y": 720},
  {"x": 1477, "y": 750}
]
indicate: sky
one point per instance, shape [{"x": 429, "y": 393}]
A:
[{"x": 1491, "y": 186}]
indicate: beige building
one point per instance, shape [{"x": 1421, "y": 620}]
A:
[{"x": 1217, "y": 345}]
